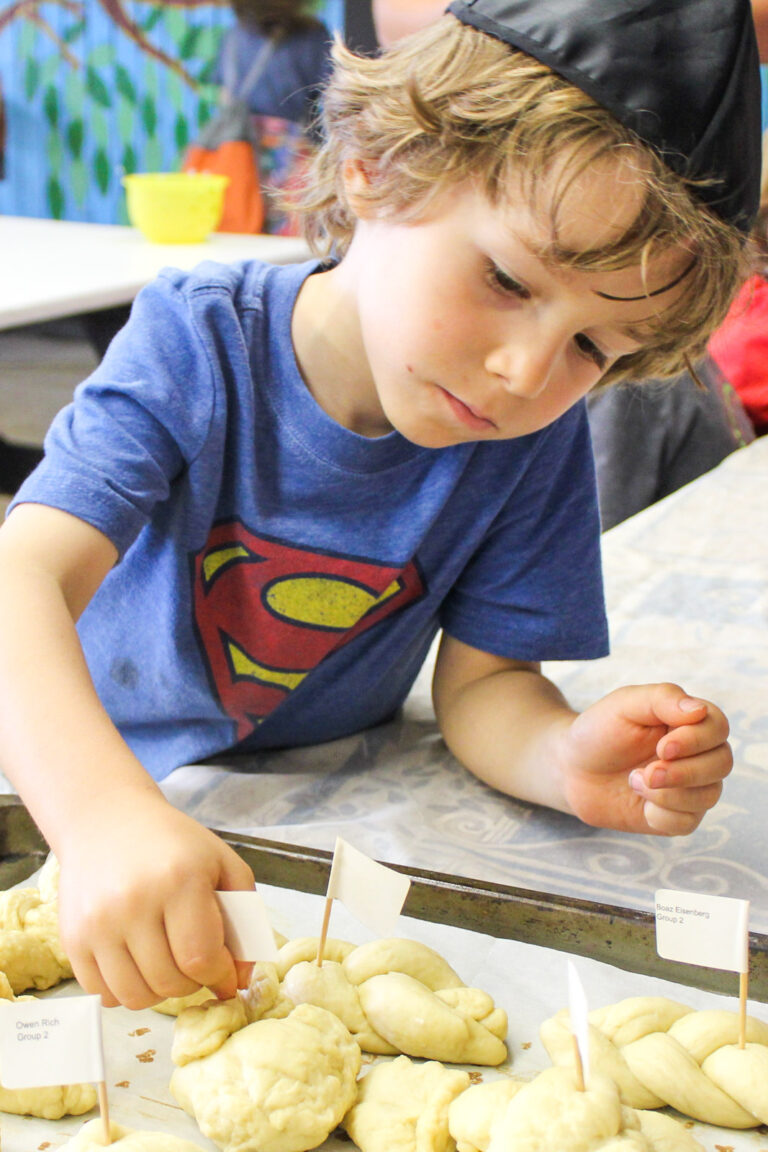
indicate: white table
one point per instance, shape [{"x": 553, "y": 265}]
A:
[{"x": 55, "y": 268}]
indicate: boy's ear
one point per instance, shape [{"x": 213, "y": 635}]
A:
[{"x": 357, "y": 183}]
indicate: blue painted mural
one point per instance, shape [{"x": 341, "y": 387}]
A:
[{"x": 93, "y": 89}]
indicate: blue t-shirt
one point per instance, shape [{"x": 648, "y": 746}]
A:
[{"x": 281, "y": 578}]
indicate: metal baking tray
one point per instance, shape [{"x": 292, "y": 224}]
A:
[{"x": 623, "y": 937}]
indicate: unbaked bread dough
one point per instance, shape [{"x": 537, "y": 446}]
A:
[
  {"x": 274, "y": 1085},
  {"x": 89, "y": 1139},
  {"x": 549, "y": 1114},
  {"x": 394, "y": 996},
  {"x": 175, "y": 1005},
  {"x": 403, "y": 1107},
  {"x": 49, "y": 1103},
  {"x": 660, "y": 1053},
  {"x": 31, "y": 955},
  {"x": 203, "y": 1028}
]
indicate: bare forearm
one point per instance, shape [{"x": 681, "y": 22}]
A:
[
  {"x": 506, "y": 728},
  {"x": 645, "y": 758},
  {"x": 59, "y": 748}
]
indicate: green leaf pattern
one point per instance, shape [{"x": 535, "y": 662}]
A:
[
  {"x": 31, "y": 77},
  {"x": 51, "y": 106},
  {"x": 105, "y": 104},
  {"x": 74, "y": 135}
]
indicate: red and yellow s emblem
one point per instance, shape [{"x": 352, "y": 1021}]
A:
[{"x": 267, "y": 613}]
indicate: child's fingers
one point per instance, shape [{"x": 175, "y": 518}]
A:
[
  {"x": 691, "y": 739},
  {"x": 114, "y": 975},
  {"x": 89, "y": 977},
  {"x": 689, "y": 800},
  {"x": 195, "y": 932},
  {"x": 124, "y": 979},
  {"x": 667, "y": 704},
  {"x": 150, "y": 950},
  {"x": 690, "y": 772},
  {"x": 667, "y": 822}
]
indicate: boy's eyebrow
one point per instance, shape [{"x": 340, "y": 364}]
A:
[
  {"x": 648, "y": 295},
  {"x": 547, "y": 252}
]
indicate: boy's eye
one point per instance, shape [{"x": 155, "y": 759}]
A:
[
  {"x": 589, "y": 349},
  {"x": 501, "y": 281}
]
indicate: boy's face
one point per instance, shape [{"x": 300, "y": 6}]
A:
[{"x": 464, "y": 330}]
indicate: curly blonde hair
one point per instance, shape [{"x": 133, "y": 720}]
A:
[{"x": 451, "y": 105}]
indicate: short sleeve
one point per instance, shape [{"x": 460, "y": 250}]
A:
[
  {"x": 113, "y": 454},
  {"x": 533, "y": 590}
]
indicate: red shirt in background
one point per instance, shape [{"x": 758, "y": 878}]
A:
[{"x": 740, "y": 349}]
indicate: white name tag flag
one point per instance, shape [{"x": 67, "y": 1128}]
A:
[
  {"x": 247, "y": 931},
  {"x": 55, "y": 1041},
  {"x": 711, "y": 931},
  {"x": 579, "y": 1013},
  {"x": 372, "y": 892}
]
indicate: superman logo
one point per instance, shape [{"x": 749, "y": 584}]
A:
[{"x": 267, "y": 613}]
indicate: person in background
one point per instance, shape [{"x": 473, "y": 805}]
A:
[
  {"x": 740, "y": 349},
  {"x": 284, "y": 103},
  {"x": 300, "y": 64},
  {"x": 653, "y": 437},
  {"x": 282, "y": 482},
  {"x": 294, "y": 47},
  {"x": 740, "y": 346}
]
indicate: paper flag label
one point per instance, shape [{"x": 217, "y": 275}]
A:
[
  {"x": 711, "y": 931},
  {"x": 579, "y": 1013},
  {"x": 372, "y": 892},
  {"x": 55, "y": 1041},
  {"x": 247, "y": 931}
]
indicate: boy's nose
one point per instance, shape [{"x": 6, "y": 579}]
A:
[{"x": 525, "y": 368}]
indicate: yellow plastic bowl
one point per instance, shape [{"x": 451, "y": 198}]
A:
[{"x": 175, "y": 207}]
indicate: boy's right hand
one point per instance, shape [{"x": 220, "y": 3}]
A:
[{"x": 137, "y": 913}]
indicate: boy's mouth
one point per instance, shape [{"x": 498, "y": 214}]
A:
[{"x": 468, "y": 415}]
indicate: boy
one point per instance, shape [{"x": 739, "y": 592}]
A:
[{"x": 304, "y": 472}]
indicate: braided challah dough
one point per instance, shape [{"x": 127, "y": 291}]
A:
[
  {"x": 403, "y": 1107},
  {"x": 549, "y": 1114},
  {"x": 394, "y": 996},
  {"x": 659, "y": 1052},
  {"x": 31, "y": 955}
]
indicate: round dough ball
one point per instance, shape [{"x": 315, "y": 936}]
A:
[
  {"x": 403, "y": 1107},
  {"x": 49, "y": 1102},
  {"x": 274, "y": 1086}
]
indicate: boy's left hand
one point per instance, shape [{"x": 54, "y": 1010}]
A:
[{"x": 646, "y": 759}]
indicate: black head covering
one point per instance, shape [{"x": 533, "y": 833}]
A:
[{"x": 682, "y": 74}]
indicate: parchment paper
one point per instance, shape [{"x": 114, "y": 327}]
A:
[{"x": 529, "y": 982}]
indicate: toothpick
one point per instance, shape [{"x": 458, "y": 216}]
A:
[
  {"x": 579, "y": 1066},
  {"x": 743, "y": 987},
  {"x": 106, "y": 1135},
  {"x": 324, "y": 931}
]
